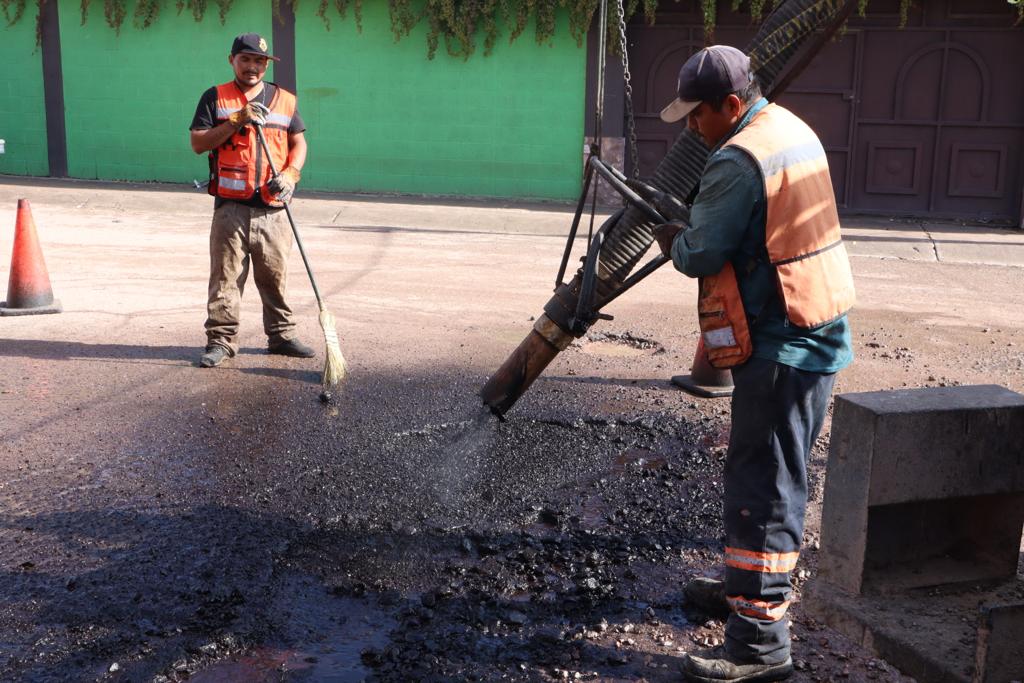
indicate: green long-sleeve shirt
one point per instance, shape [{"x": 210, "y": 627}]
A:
[{"x": 728, "y": 224}]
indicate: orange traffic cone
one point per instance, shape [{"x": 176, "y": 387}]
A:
[
  {"x": 28, "y": 289},
  {"x": 704, "y": 380}
]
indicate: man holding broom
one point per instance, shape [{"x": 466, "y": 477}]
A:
[{"x": 249, "y": 218}]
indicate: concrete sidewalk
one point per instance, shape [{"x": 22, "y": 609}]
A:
[
  {"x": 895, "y": 238},
  {"x": 937, "y": 241}
]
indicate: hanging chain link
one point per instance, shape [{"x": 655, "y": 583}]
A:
[{"x": 630, "y": 120}]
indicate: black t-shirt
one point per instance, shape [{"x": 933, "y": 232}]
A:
[{"x": 206, "y": 117}]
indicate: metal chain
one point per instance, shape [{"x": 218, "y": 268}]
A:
[{"x": 630, "y": 120}]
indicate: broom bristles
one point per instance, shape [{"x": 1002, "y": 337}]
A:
[{"x": 335, "y": 367}]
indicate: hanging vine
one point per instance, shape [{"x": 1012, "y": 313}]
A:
[
  {"x": 709, "y": 8},
  {"x": 146, "y": 12},
  {"x": 13, "y": 11},
  {"x": 114, "y": 11},
  {"x": 18, "y": 7},
  {"x": 459, "y": 23},
  {"x": 341, "y": 6}
]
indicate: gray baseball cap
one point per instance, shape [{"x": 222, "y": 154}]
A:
[{"x": 711, "y": 73}]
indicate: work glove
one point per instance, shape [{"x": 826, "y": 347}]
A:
[
  {"x": 666, "y": 204},
  {"x": 283, "y": 184},
  {"x": 666, "y": 235},
  {"x": 253, "y": 112}
]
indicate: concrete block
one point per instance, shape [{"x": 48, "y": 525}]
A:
[
  {"x": 925, "y": 487},
  {"x": 935, "y": 636},
  {"x": 921, "y": 529},
  {"x": 1000, "y": 645}
]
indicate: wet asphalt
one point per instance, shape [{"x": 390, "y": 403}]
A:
[
  {"x": 162, "y": 522},
  {"x": 398, "y": 533}
]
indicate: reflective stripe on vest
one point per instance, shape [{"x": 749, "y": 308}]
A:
[
  {"x": 768, "y": 563},
  {"x": 758, "y": 609},
  {"x": 283, "y": 120},
  {"x": 239, "y": 166},
  {"x": 802, "y": 229},
  {"x": 231, "y": 183}
]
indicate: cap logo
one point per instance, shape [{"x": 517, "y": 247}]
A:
[{"x": 263, "y": 44}]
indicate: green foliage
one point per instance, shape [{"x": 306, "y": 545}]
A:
[
  {"x": 709, "y": 9},
  {"x": 459, "y": 23},
  {"x": 146, "y": 12},
  {"x": 341, "y": 6},
  {"x": 114, "y": 11},
  {"x": 1019, "y": 4},
  {"x": 18, "y": 7}
]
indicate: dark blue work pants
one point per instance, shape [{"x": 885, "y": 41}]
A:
[{"x": 777, "y": 413}]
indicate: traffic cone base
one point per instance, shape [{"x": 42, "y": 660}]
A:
[
  {"x": 28, "y": 288},
  {"x": 704, "y": 380},
  {"x": 54, "y": 307},
  {"x": 688, "y": 384}
]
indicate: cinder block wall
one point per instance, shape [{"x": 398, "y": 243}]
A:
[{"x": 22, "y": 112}]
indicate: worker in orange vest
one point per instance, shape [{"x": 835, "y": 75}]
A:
[
  {"x": 775, "y": 286},
  {"x": 249, "y": 221}
]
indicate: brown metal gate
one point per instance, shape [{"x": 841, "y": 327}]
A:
[{"x": 927, "y": 120}]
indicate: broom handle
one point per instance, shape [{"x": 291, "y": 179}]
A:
[{"x": 295, "y": 230}]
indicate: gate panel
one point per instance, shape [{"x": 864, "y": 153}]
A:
[
  {"x": 885, "y": 52},
  {"x": 655, "y": 55},
  {"x": 925, "y": 120},
  {"x": 825, "y": 97},
  {"x": 893, "y": 168},
  {"x": 977, "y": 171}
]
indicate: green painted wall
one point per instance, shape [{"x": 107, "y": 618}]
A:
[
  {"x": 22, "y": 112},
  {"x": 381, "y": 117},
  {"x": 129, "y": 99}
]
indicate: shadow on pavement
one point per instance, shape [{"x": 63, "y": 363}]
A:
[{"x": 68, "y": 350}]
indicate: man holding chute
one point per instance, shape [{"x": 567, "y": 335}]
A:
[
  {"x": 249, "y": 221},
  {"x": 775, "y": 287}
]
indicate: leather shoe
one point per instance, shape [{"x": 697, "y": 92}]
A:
[
  {"x": 293, "y": 348},
  {"x": 708, "y": 596},
  {"x": 716, "y": 666},
  {"x": 214, "y": 355}
]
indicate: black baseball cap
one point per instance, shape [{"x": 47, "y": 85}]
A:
[
  {"x": 711, "y": 73},
  {"x": 251, "y": 44}
]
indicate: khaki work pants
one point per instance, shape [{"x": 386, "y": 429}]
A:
[{"x": 239, "y": 235}]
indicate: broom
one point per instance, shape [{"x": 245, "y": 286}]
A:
[{"x": 335, "y": 368}]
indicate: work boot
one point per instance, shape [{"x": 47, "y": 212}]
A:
[
  {"x": 293, "y": 348},
  {"x": 213, "y": 356},
  {"x": 708, "y": 596},
  {"x": 716, "y": 666}
]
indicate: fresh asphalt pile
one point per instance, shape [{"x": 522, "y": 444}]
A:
[
  {"x": 396, "y": 534},
  {"x": 546, "y": 599}
]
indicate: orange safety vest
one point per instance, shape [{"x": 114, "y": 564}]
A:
[
  {"x": 802, "y": 239},
  {"x": 238, "y": 166}
]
